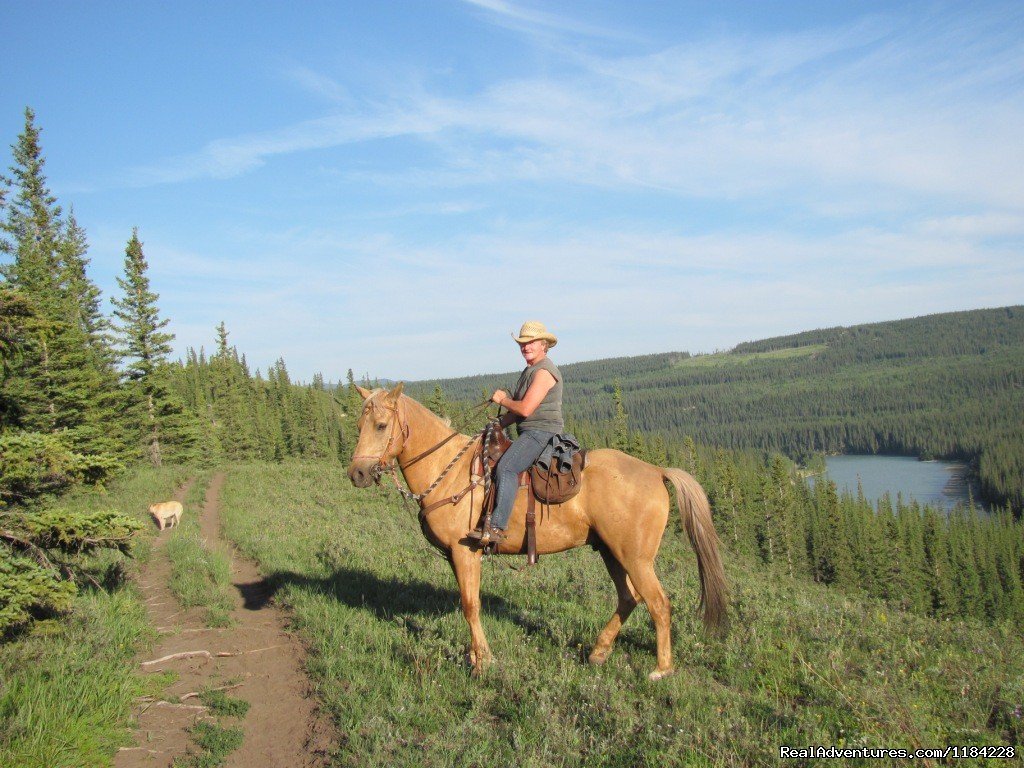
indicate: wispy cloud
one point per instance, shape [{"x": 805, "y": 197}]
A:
[
  {"x": 317, "y": 83},
  {"x": 520, "y": 18},
  {"x": 985, "y": 225},
  {"x": 387, "y": 304},
  {"x": 890, "y": 148},
  {"x": 225, "y": 158},
  {"x": 815, "y": 114}
]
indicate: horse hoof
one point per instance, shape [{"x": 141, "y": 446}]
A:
[
  {"x": 658, "y": 674},
  {"x": 479, "y": 662},
  {"x": 597, "y": 658}
]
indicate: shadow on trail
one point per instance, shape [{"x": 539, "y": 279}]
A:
[
  {"x": 256, "y": 594},
  {"x": 393, "y": 598}
]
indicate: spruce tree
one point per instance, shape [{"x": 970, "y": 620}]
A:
[
  {"x": 62, "y": 383},
  {"x": 31, "y": 226},
  {"x": 944, "y": 600},
  {"x": 83, "y": 299},
  {"x": 232, "y": 401},
  {"x": 86, "y": 296},
  {"x": 832, "y": 561},
  {"x": 16, "y": 315},
  {"x": 728, "y": 502},
  {"x": 438, "y": 402},
  {"x": 30, "y": 232},
  {"x": 145, "y": 347},
  {"x": 620, "y": 421}
]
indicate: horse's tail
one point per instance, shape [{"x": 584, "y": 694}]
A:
[{"x": 696, "y": 512}]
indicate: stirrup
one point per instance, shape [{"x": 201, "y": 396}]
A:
[{"x": 489, "y": 536}]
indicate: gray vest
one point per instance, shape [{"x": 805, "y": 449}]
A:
[{"x": 548, "y": 416}]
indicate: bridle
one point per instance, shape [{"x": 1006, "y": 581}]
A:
[
  {"x": 387, "y": 466},
  {"x": 396, "y": 425}
]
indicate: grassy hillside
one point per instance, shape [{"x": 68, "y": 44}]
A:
[
  {"x": 949, "y": 385},
  {"x": 802, "y": 665}
]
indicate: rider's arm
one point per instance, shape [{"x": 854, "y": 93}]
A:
[
  {"x": 542, "y": 383},
  {"x": 508, "y": 419}
]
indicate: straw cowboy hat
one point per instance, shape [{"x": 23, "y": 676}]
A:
[{"x": 532, "y": 329}]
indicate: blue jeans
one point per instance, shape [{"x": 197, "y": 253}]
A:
[{"x": 519, "y": 457}]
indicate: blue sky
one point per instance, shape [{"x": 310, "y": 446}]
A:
[{"x": 394, "y": 187}]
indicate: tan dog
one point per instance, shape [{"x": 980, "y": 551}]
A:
[{"x": 166, "y": 513}]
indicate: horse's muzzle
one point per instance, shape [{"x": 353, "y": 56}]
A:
[{"x": 362, "y": 475}]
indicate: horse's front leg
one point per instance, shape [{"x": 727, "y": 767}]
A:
[{"x": 467, "y": 565}]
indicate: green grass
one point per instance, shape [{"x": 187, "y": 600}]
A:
[
  {"x": 200, "y": 573},
  {"x": 67, "y": 684},
  {"x": 215, "y": 743},
  {"x": 802, "y": 665},
  {"x": 219, "y": 703},
  {"x": 212, "y": 742},
  {"x": 720, "y": 359}
]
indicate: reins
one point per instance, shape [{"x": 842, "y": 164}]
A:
[
  {"x": 444, "y": 472},
  {"x": 383, "y": 467},
  {"x": 388, "y": 467}
]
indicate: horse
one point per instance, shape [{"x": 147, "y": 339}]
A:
[{"x": 621, "y": 511}]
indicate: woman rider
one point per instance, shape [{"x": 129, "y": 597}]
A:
[{"x": 536, "y": 408}]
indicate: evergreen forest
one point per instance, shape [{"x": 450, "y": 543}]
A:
[
  {"x": 85, "y": 394},
  {"x": 947, "y": 386}
]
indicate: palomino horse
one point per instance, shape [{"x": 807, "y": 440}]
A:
[{"x": 621, "y": 511}]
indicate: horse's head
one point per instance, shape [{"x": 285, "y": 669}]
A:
[{"x": 383, "y": 430}]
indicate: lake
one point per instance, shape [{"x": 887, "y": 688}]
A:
[{"x": 940, "y": 483}]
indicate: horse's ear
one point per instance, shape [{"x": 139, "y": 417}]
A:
[
  {"x": 363, "y": 393},
  {"x": 396, "y": 393}
]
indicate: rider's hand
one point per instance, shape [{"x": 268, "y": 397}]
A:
[{"x": 499, "y": 396}]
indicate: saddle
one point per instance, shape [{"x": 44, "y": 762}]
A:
[{"x": 549, "y": 486}]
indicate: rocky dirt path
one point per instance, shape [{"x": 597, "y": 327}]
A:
[{"x": 259, "y": 659}]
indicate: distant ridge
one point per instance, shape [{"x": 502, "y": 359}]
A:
[
  {"x": 948, "y": 385},
  {"x": 980, "y": 324}
]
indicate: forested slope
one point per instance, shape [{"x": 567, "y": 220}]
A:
[{"x": 948, "y": 385}]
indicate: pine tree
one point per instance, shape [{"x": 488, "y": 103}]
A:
[
  {"x": 777, "y": 535},
  {"x": 16, "y": 314},
  {"x": 620, "y": 421},
  {"x": 232, "y": 402},
  {"x": 30, "y": 230},
  {"x": 691, "y": 459},
  {"x": 728, "y": 502},
  {"x": 145, "y": 348},
  {"x": 833, "y": 563},
  {"x": 37, "y": 557},
  {"x": 914, "y": 566},
  {"x": 64, "y": 381},
  {"x": 438, "y": 402},
  {"x": 353, "y": 400},
  {"x": 84, "y": 299},
  {"x": 86, "y": 296},
  {"x": 32, "y": 224},
  {"x": 944, "y": 600},
  {"x": 887, "y": 571},
  {"x": 638, "y": 447}
]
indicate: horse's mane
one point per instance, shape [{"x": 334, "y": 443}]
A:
[{"x": 445, "y": 420}]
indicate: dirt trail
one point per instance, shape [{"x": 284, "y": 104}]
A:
[{"x": 283, "y": 726}]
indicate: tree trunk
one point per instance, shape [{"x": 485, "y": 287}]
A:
[
  {"x": 44, "y": 361},
  {"x": 154, "y": 433}
]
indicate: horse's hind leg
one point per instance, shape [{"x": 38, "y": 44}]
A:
[
  {"x": 646, "y": 582},
  {"x": 627, "y": 602}
]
